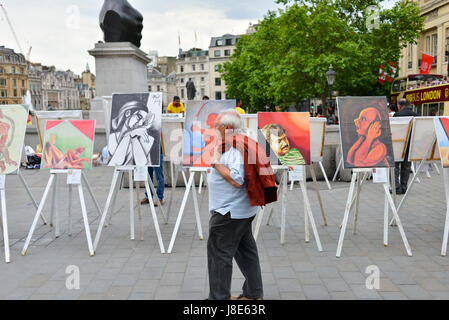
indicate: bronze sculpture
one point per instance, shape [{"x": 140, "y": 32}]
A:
[
  {"x": 191, "y": 90},
  {"x": 120, "y": 22}
]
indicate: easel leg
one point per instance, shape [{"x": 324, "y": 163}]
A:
[
  {"x": 131, "y": 204},
  {"x": 325, "y": 175},
  {"x": 446, "y": 224},
  {"x": 306, "y": 222},
  {"x": 284, "y": 205},
  {"x": 89, "y": 189},
  {"x": 357, "y": 202},
  {"x": 201, "y": 184},
  {"x": 106, "y": 208},
  {"x": 153, "y": 213},
  {"x": 309, "y": 212},
  {"x": 398, "y": 221},
  {"x": 27, "y": 188},
  {"x": 5, "y": 225},
  {"x": 181, "y": 211},
  {"x": 38, "y": 213},
  {"x": 114, "y": 199},
  {"x": 338, "y": 170},
  {"x": 86, "y": 221},
  {"x": 259, "y": 222},
  {"x": 317, "y": 189},
  {"x": 55, "y": 208},
  {"x": 139, "y": 210},
  {"x": 386, "y": 217},
  {"x": 346, "y": 216},
  {"x": 70, "y": 209},
  {"x": 158, "y": 201},
  {"x": 197, "y": 211},
  {"x": 435, "y": 166}
]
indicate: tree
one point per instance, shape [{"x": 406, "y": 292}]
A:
[{"x": 286, "y": 59}]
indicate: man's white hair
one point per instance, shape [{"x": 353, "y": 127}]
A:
[{"x": 233, "y": 119}]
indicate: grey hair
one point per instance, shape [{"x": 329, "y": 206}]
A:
[{"x": 232, "y": 118}]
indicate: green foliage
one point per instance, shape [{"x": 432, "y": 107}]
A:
[{"x": 286, "y": 59}]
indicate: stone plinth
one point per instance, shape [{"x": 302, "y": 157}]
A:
[{"x": 121, "y": 67}]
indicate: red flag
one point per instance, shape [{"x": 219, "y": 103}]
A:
[
  {"x": 381, "y": 75},
  {"x": 426, "y": 64}
]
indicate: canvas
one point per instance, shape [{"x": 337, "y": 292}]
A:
[
  {"x": 285, "y": 137},
  {"x": 365, "y": 132},
  {"x": 442, "y": 131},
  {"x": 172, "y": 135},
  {"x": 317, "y": 137},
  {"x": 68, "y": 144},
  {"x": 423, "y": 139},
  {"x": 199, "y": 133},
  {"x": 400, "y": 132},
  {"x": 13, "y": 122},
  {"x": 135, "y": 130}
]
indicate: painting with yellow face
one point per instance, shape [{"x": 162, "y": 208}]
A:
[
  {"x": 365, "y": 132},
  {"x": 285, "y": 136}
]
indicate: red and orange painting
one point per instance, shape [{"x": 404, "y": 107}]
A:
[
  {"x": 365, "y": 132},
  {"x": 285, "y": 136},
  {"x": 68, "y": 144}
]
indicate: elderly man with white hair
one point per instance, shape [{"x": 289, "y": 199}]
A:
[{"x": 238, "y": 183}]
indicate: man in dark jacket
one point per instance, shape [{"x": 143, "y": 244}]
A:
[{"x": 402, "y": 171}]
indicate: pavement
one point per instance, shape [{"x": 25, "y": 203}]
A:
[{"x": 125, "y": 269}]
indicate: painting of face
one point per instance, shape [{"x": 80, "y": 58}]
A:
[
  {"x": 442, "y": 131},
  {"x": 135, "y": 135},
  {"x": 285, "y": 137},
  {"x": 68, "y": 144},
  {"x": 365, "y": 132},
  {"x": 200, "y": 134},
  {"x": 13, "y": 121}
]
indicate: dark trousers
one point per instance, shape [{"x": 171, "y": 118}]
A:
[
  {"x": 228, "y": 239},
  {"x": 159, "y": 177},
  {"x": 402, "y": 174}
]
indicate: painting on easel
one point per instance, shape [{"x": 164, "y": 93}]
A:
[
  {"x": 285, "y": 137},
  {"x": 199, "y": 132},
  {"x": 135, "y": 135},
  {"x": 442, "y": 131},
  {"x": 13, "y": 122},
  {"x": 68, "y": 144},
  {"x": 365, "y": 132}
]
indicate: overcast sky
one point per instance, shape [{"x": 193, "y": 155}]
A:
[{"x": 61, "y": 31}]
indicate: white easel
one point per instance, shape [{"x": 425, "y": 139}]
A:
[
  {"x": 190, "y": 186},
  {"x": 54, "y": 207},
  {"x": 446, "y": 224},
  {"x": 356, "y": 183},
  {"x": 112, "y": 196},
  {"x": 308, "y": 216},
  {"x": 4, "y": 212}
]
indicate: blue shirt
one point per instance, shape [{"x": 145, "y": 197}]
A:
[{"x": 223, "y": 197}]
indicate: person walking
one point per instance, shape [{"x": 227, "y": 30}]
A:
[
  {"x": 402, "y": 169},
  {"x": 241, "y": 179}
]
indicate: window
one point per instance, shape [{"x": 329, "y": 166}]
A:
[
  {"x": 181, "y": 68},
  {"x": 182, "y": 93},
  {"x": 1, "y": 58},
  {"x": 13, "y": 69},
  {"x": 410, "y": 56},
  {"x": 202, "y": 92},
  {"x": 229, "y": 42},
  {"x": 14, "y": 82},
  {"x": 202, "y": 79},
  {"x": 23, "y": 83},
  {"x": 216, "y": 67},
  {"x": 434, "y": 47},
  {"x": 202, "y": 67},
  {"x": 428, "y": 45},
  {"x": 15, "y": 92},
  {"x": 219, "y": 42},
  {"x": 218, "y": 81},
  {"x": 218, "y": 95},
  {"x": 149, "y": 88},
  {"x": 217, "y": 53},
  {"x": 2, "y": 82},
  {"x": 2, "y": 70},
  {"x": 182, "y": 80},
  {"x": 193, "y": 67},
  {"x": 227, "y": 53},
  {"x": 158, "y": 88}
]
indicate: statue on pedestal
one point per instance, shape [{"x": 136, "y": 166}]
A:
[
  {"x": 191, "y": 90},
  {"x": 120, "y": 22}
]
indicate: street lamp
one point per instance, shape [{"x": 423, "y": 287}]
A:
[{"x": 330, "y": 76}]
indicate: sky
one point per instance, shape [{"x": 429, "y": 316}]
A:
[{"x": 61, "y": 32}]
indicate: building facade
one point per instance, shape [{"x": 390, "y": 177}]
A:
[
  {"x": 35, "y": 84},
  {"x": 433, "y": 41},
  {"x": 193, "y": 65},
  {"x": 220, "y": 50},
  {"x": 59, "y": 89},
  {"x": 86, "y": 88},
  {"x": 166, "y": 84},
  {"x": 166, "y": 65},
  {"x": 13, "y": 76}
]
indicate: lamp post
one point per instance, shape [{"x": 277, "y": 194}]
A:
[{"x": 330, "y": 76}]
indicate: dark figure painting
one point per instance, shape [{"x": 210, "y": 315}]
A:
[
  {"x": 120, "y": 22},
  {"x": 191, "y": 90}
]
